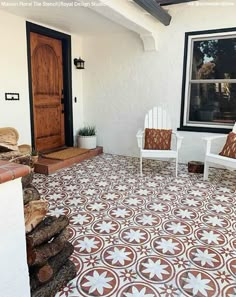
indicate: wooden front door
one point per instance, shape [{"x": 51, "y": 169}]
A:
[{"x": 47, "y": 91}]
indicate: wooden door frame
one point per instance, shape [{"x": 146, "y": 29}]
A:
[{"x": 67, "y": 78}]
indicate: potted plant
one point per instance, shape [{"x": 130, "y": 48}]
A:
[{"x": 87, "y": 137}]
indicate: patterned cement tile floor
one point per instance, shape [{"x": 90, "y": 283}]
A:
[{"x": 146, "y": 237}]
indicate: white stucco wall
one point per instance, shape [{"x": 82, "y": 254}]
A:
[
  {"x": 122, "y": 82},
  {"x": 14, "y": 76},
  {"x": 14, "y": 273}
]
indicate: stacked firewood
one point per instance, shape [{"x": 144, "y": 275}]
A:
[{"x": 48, "y": 249}]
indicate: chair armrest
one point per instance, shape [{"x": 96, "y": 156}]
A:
[
  {"x": 140, "y": 136},
  {"x": 213, "y": 139},
  {"x": 179, "y": 139}
]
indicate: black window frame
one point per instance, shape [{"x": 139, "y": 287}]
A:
[{"x": 187, "y": 66}]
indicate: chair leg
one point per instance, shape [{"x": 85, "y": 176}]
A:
[
  {"x": 141, "y": 165},
  {"x": 176, "y": 167},
  {"x": 206, "y": 171}
]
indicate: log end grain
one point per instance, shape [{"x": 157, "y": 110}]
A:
[{"x": 195, "y": 167}]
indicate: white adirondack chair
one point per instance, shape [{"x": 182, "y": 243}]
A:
[
  {"x": 158, "y": 118},
  {"x": 214, "y": 145}
]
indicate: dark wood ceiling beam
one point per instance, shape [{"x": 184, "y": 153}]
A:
[
  {"x": 155, "y": 10},
  {"x": 169, "y": 2}
]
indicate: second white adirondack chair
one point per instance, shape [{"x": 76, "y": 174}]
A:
[
  {"x": 214, "y": 144},
  {"x": 157, "y": 118}
]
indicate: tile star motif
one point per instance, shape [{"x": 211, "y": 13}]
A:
[
  {"x": 90, "y": 192},
  {"x": 87, "y": 244},
  {"x": 105, "y": 227},
  {"x": 98, "y": 282},
  {"x": 205, "y": 257},
  {"x": 190, "y": 202},
  {"x": 178, "y": 228},
  {"x": 158, "y": 207},
  {"x": 210, "y": 237},
  {"x": 155, "y": 268},
  {"x": 119, "y": 255},
  {"x": 185, "y": 213},
  {"x": 125, "y": 227},
  {"x": 133, "y": 201},
  {"x": 147, "y": 220},
  {"x": 195, "y": 193},
  {"x": 56, "y": 196},
  {"x": 138, "y": 293},
  {"x": 96, "y": 206},
  {"x": 167, "y": 245},
  {"x": 215, "y": 221},
  {"x": 57, "y": 211},
  {"x": 219, "y": 208},
  {"x": 224, "y": 190},
  {"x": 197, "y": 284},
  {"x": 143, "y": 192},
  {"x": 167, "y": 197},
  {"x": 81, "y": 219},
  {"x": 121, "y": 212},
  {"x": 134, "y": 235}
]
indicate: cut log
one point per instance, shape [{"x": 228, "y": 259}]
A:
[
  {"x": 47, "y": 229},
  {"x": 64, "y": 275},
  {"x": 34, "y": 212},
  {"x": 195, "y": 167},
  {"x": 30, "y": 194},
  {"x": 27, "y": 180},
  {"x": 40, "y": 254},
  {"x": 41, "y": 275}
]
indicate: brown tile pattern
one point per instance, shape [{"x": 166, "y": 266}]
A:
[
  {"x": 146, "y": 237},
  {"x": 10, "y": 171}
]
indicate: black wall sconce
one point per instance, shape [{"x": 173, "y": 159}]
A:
[{"x": 79, "y": 63}]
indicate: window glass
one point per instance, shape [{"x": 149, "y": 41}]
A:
[
  {"x": 209, "y": 81},
  {"x": 213, "y": 102},
  {"x": 214, "y": 59}
]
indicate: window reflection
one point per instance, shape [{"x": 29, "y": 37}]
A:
[
  {"x": 214, "y": 59},
  {"x": 213, "y": 102}
]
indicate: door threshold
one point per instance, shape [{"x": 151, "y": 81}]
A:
[
  {"x": 48, "y": 166},
  {"x": 57, "y": 149}
]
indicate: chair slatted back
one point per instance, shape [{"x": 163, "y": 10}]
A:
[{"x": 157, "y": 118}]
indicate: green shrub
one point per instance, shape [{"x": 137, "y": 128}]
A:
[{"x": 87, "y": 131}]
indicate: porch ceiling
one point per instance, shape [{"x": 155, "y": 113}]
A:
[
  {"x": 77, "y": 19},
  {"x": 92, "y": 17}
]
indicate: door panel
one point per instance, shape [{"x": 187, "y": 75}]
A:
[{"x": 47, "y": 89}]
